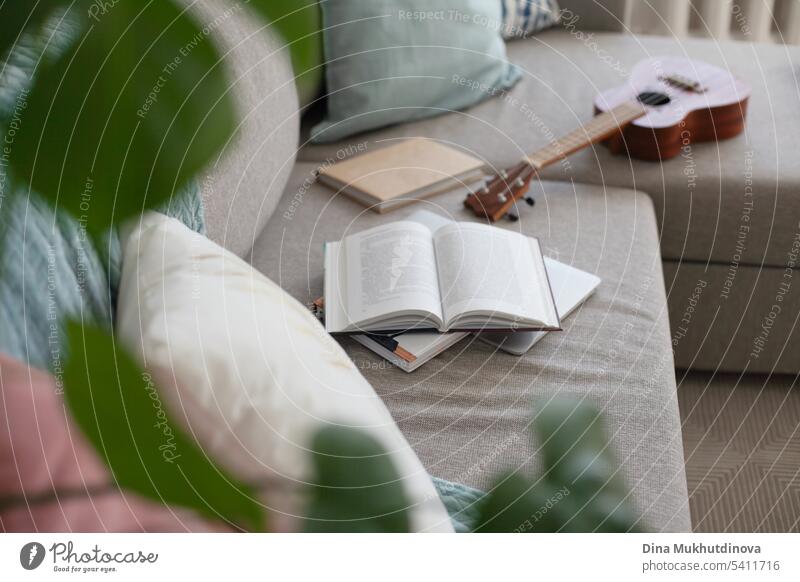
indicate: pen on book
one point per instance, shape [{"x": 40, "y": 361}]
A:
[
  {"x": 387, "y": 341},
  {"x": 392, "y": 345}
]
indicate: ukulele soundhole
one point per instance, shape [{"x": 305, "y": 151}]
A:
[{"x": 653, "y": 98}]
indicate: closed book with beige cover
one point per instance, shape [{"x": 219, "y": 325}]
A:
[{"x": 410, "y": 170}]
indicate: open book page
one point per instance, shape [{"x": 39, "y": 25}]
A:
[
  {"x": 489, "y": 272},
  {"x": 391, "y": 270}
]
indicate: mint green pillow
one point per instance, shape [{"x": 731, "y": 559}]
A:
[{"x": 392, "y": 61}]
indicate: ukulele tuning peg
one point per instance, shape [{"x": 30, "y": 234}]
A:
[
  {"x": 530, "y": 200},
  {"x": 512, "y": 216}
]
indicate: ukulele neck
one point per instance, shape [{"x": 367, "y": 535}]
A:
[
  {"x": 601, "y": 127},
  {"x": 500, "y": 193}
]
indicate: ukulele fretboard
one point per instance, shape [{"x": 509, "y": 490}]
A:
[{"x": 599, "y": 128}]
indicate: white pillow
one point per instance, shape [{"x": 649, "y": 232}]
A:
[{"x": 251, "y": 372}]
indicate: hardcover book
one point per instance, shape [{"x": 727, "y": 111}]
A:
[
  {"x": 413, "y": 169},
  {"x": 403, "y": 276}
]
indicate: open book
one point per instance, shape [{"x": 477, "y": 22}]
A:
[{"x": 462, "y": 277}]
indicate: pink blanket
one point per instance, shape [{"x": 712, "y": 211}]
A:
[{"x": 51, "y": 479}]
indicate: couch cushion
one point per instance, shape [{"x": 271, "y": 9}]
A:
[
  {"x": 702, "y": 197},
  {"x": 466, "y": 412},
  {"x": 243, "y": 185},
  {"x": 388, "y": 63}
]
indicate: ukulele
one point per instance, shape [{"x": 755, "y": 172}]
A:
[{"x": 666, "y": 104}]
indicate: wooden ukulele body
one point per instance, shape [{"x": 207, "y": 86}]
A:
[{"x": 713, "y": 110}]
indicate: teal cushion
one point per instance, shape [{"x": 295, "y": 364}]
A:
[
  {"x": 462, "y": 503},
  {"x": 51, "y": 272},
  {"x": 391, "y": 61}
]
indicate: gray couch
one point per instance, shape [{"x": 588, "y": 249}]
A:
[{"x": 466, "y": 412}]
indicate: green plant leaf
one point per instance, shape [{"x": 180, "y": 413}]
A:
[
  {"x": 575, "y": 448},
  {"x": 578, "y": 456},
  {"x": 515, "y": 505},
  {"x": 567, "y": 425},
  {"x": 127, "y": 116},
  {"x": 299, "y": 23},
  {"x": 580, "y": 489},
  {"x": 120, "y": 411},
  {"x": 357, "y": 488}
]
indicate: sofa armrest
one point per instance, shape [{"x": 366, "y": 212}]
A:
[
  {"x": 242, "y": 187},
  {"x": 607, "y": 15}
]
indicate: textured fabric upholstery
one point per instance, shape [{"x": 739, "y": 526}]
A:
[
  {"x": 595, "y": 14},
  {"x": 244, "y": 184},
  {"x": 728, "y": 213},
  {"x": 700, "y": 196},
  {"x": 731, "y": 320},
  {"x": 466, "y": 412}
]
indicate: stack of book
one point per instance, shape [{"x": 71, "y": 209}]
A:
[{"x": 411, "y": 289}]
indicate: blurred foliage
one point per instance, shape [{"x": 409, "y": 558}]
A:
[
  {"x": 580, "y": 489},
  {"x": 298, "y": 21},
  {"x": 138, "y": 105},
  {"x": 356, "y": 488},
  {"x": 120, "y": 410},
  {"x": 124, "y": 119}
]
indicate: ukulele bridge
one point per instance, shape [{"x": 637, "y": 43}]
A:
[{"x": 684, "y": 83}]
